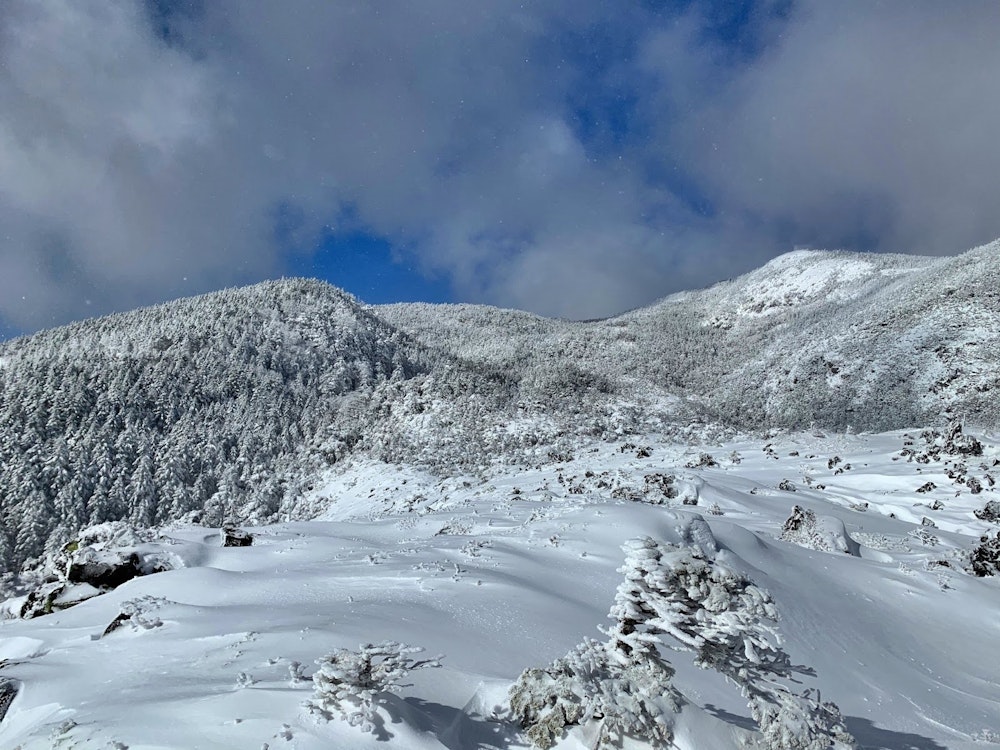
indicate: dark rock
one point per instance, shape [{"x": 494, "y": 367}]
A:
[
  {"x": 8, "y": 692},
  {"x": 39, "y": 601},
  {"x": 989, "y": 512},
  {"x": 800, "y": 518},
  {"x": 104, "y": 574},
  {"x": 236, "y": 538},
  {"x": 116, "y": 623}
]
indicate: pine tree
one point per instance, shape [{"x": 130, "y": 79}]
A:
[
  {"x": 143, "y": 511},
  {"x": 36, "y": 521}
]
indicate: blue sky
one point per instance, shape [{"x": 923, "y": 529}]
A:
[
  {"x": 371, "y": 268},
  {"x": 572, "y": 158}
]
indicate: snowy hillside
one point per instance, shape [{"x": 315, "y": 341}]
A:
[
  {"x": 224, "y": 406},
  {"x": 832, "y": 339},
  {"x": 202, "y": 405},
  {"x": 605, "y": 528},
  {"x": 511, "y": 570}
]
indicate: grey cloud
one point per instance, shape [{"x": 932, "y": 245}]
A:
[
  {"x": 108, "y": 152},
  {"x": 437, "y": 125},
  {"x": 868, "y": 124},
  {"x": 136, "y": 167}
]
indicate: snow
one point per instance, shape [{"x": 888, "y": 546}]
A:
[
  {"x": 807, "y": 276},
  {"x": 512, "y": 569}
]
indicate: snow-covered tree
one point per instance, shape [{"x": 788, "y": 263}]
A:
[
  {"x": 144, "y": 492},
  {"x": 353, "y": 684},
  {"x": 798, "y": 722},
  {"x": 689, "y": 594},
  {"x": 623, "y": 694},
  {"x": 704, "y": 604}
]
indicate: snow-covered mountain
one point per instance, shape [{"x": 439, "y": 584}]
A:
[
  {"x": 198, "y": 405},
  {"x": 224, "y": 404},
  {"x": 465, "y": 479},
  {"x": 833, "y": 339}
]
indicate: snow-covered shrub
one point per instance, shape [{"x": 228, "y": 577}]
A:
[
  {"x": 989, "y": 512},
  {"x": 821, "y": 533},
  {"x": 731, "y": 625},
  {"x": 138, "y": 613},
  {"x": 626, "y": 697},
  {"x": 352, "y": 684},
  {"x": 661, "y": 486},
  {"x": 705, "y": 460},
  {"x": 957, "y": 442},
  {"x": 702, "y": 603},
  {"x": 798, "y": 722},
  {"x": 985, "y": 558},
  {"x": 709, "y": 608}
]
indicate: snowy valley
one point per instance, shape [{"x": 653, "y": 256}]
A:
[{"x": 753, "y": 500}]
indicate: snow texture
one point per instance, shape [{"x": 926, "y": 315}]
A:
[{"x": 816, "y": 440}]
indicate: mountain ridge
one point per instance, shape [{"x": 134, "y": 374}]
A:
[
  {"x": 222, "y": 407},
  {"x": 789, "y": 327}
]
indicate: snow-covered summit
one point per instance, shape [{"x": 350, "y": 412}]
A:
[
  {"x": 220, "y": 404},
  {"x": 464, "y": 478},
  {"x": 802, "y": 277}
]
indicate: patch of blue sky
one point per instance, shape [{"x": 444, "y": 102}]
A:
[
  {"x": 602, "y": 94},
  {"x": 739, "y": 30},
  {"x": 370, "y": 267},
  {"x": 167, "y": 17}
]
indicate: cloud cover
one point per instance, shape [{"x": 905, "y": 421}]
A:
[{"x": 570, "y": 158}]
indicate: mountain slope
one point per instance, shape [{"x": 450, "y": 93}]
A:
[
  {"x": 835, "y": 339},
  {"x": 197, "y": 405},
  {"x": 512, "y": 569},
  {"x": 472, "y": 475},
  {"x": 226, "y": 405}
]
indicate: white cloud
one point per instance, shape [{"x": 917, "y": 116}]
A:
[
  {"x": 866, "y": 122},
  {"x": 130, "y": 161},
  {"x": 110, "y": 168}
]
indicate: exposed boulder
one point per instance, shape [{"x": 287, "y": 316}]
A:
[
  {"x": 103, "y": 571},
  {"x": 8, "y": 692},
  {"x": 100, "y": 560},
  {"x": 233, "y": 537}
]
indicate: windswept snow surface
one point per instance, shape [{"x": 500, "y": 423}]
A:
[{"x": 512, "y": 569}]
